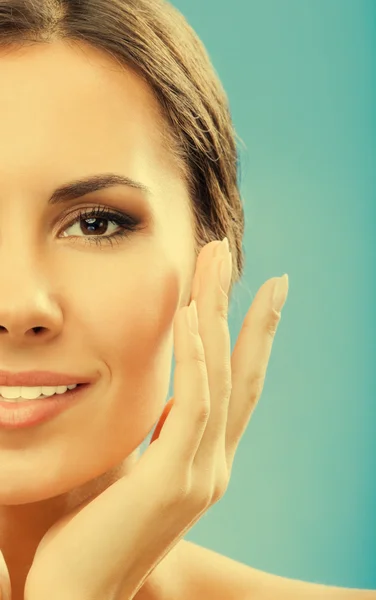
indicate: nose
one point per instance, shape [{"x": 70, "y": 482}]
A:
[
  {"x": 23, "y": 322},
  {"x": 35, "y": 329},
  {"x": 29, "y": 311},
  {"x": 30, "y": 306}
]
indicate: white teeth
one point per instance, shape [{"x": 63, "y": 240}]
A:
[{"x": 20, "y": 393}]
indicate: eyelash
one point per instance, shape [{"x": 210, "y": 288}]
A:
[{"x": 128, "y": 224}]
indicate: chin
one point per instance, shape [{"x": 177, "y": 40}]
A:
[
  {"x": 19, "y": 489},
  {"x": 14, "y": 496}
]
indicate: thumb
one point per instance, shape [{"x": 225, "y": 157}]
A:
[
  {"x": 5, "y": 586},
  {"x": 162, "y": 419}
]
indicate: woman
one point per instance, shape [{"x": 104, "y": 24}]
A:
[{"x": 118, "y": 181}]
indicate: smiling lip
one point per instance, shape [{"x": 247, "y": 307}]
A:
[
  {"x": 21, "y": 415},
  {"x": 40, "y": 378}
]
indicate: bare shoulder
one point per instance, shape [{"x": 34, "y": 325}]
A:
[
  {"x": 209, "y": 575},
  {"x": 192, "y": 571},
  {"x": 206, "y": 574}
]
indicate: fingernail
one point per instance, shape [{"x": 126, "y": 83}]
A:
[
  {"x": 225, "y": 267},
  {"x": 221, "y": 248},
  {"x": 193, "y": 317},
  {"x": 197, "y": 283},
  {"x": 280, "y": 292}
]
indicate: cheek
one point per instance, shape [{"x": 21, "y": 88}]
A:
[
  {"x": 123, "y": 329},
  {"x": 130, "y": 332}
]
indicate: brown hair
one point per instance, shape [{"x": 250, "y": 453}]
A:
[{"x": 154, "y": 39}]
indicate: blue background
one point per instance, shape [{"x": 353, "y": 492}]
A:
[{"x": 300, "y": 77}]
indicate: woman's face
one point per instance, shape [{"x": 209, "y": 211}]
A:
[{"x": 105, "y": 311}]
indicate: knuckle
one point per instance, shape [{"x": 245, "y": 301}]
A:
[
  {"x": 212, "y": 485},
  {"x": 220, "y": 488},
  {"x": 199, "y": 498},
  {"x": 222, "y": 377},
  {"x": 221, "y": 305},
  {"x": 192, "y": 496},
  {"x": 223, "y": 313},
  {"x": 179, "y": 491},
  {"x": 224, "y": 390},
  {"x": 198, "y": 355},
  {"x": 201, "y": 494},
  {"x": 256, "y": 385},
  {"x": 203, "y": 411},
  {"x": 271, "y": 322},
  {"x": 227, "y": 384}
]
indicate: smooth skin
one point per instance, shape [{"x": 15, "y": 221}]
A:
[
  {"x": 5, "y": 585},
  {"x": 68, "y": 111},
  {"x": 116, "y": 313},
  {"x": 108, "y": 548}
]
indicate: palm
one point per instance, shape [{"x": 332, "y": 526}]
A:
[{"x": 81, "y": 536}]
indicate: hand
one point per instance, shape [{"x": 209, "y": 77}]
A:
[
  {"x": 107, "y": 548},
  {"x": 5, "y": 586}
]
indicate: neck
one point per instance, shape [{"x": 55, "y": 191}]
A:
[{"x": 22, "y": 527}]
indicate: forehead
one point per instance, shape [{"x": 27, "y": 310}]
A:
[{"x": 72, "y": 107}]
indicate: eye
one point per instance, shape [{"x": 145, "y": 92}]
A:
[{"x": 95, "y": 220}]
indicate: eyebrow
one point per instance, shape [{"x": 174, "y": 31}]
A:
[{"x": 80, "y": 187}]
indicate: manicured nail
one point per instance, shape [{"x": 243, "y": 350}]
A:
[
  {"x": 215, "y": 248},
  {"x": 280, "y": 292},
  {"x": 222, "y": 248},
  {"x": 192, "y": 317}
]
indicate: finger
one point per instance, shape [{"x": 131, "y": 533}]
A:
[
  {"x": 203, "y": 261},
  {"x": 213, "y": 310},
  {"x": 5, "y": 586},
  {"x": 204, "y": 257},
  {"x": 183, "y": 429},
  {"x": 249, "y": 363}
]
